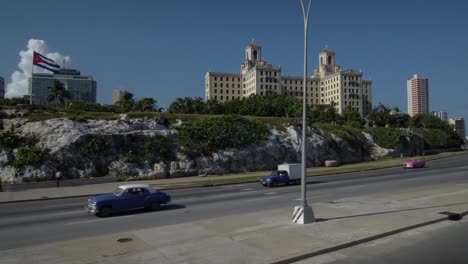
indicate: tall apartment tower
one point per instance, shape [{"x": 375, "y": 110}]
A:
[
  {"x": 459, "y": 126},
  {"x": 418, "y": 95},
  {"x": 116, "y": 96},
  {"x": 2, "y": 88}
]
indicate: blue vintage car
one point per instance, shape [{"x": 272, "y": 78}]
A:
[{"x": 127, "y": 197}]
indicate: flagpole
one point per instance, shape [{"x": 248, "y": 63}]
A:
[{"x": 32, "y": 81}]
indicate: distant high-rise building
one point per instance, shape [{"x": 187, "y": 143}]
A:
[
  {"x": 116, "y": 96},
  {"x": 2, "y": 88},
  {"x": 440, "y": 114},
  {"x": 81, "y": 88},
  {"x": 418, "y": 95},
  {"x": 459, "y": 126}
]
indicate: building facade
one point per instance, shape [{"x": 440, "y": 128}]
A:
[
  {"x": 2, "y": 87},
  {"x": 459, "y": 126},
  {"x": 418, "y": 95},
  {"x": 441, "y": 115},
  {"x": 116, "y": 96},
  {"x": 328, "y": 85},
  {"x": 81, "y": 88}
]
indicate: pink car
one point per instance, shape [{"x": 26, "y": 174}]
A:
[{"x": 414, "y": 164}]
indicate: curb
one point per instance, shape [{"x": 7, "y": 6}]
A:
[{"x": 361, "y": 241}]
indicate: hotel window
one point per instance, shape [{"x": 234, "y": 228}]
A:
[
  {"x": 215, "y": 85},
  {"x": 215, "y": 78}
]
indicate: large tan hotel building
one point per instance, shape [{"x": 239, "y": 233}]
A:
[{"x": 328, "y": 85}]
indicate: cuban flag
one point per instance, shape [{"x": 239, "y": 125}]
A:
[{"x": 46, "y": 63}]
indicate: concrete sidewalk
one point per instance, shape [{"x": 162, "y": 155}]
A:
[{"x": 261, "y": 237}]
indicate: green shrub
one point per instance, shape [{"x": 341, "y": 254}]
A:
[
  {"x": 29, "y": 156},
  {"x": 439, "y": 138},
  {"x": 131, "y": 157},
  {"x": 386, "y": 137},
  {"x": 351, "y": 135},
  {"x": 158, "y": 149},
  {"x": 95, "y": 146},
  {"x": 9, "y": 139},
  {"x": 212, "y": 134}
]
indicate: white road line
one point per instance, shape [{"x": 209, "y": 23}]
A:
[
  {"x": 320, "y": 196},
  {"x": 63, "y": 205},
  {"x": 263, "y": 198},
  {"x": 270, "y": 193},
  {"x": 70, "y": 212},
  {"x": 352, "y": 187},
  {"x": 238, "y": 185},
  {"x": 98, "y": 220},
  {"x": 247, "y": 189},
  {"x": 84, "y": 222},
  {"x": 413, "y": 179}
]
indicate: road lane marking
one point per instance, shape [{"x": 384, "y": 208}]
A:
[
  {"x": 247, "y": 189},
  {"x": 238, "y": 185},
  {"x": 352, "y": 187},
  {"x": 262, "y": 198},
  {"x": 270, "y": 193},
  {"x": 98, "y": 220},
  {"x": 69, "y": 212},
  {"x": 63, "y": 205},
  {"x": 84, "y": 222},
  {"x": 313, "y": 197}
]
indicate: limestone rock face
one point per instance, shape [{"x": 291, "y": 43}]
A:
[
  {"x": 9, "y": 174},
  {"x": 43, "y": 172},
  {"x": 94, "y": 148}
]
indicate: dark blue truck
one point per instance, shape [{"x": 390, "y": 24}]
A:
[{"x": 285, "y": 175}]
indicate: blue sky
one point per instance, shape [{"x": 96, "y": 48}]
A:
[{"x": 162, "y": 49}]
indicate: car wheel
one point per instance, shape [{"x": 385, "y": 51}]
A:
[
  {"x": 105, "y": 211},
  {"x": 155, "y": 206}
]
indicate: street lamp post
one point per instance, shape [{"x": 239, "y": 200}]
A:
[{"x": 303, "y": 214}]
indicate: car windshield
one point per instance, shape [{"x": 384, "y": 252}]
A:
[{"x": 118, "y": 191}]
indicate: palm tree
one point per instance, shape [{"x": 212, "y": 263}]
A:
[
  {"x": 126, "y": 102},
  {"x": 57, "y": 92},
  {"x": 147, "y": 105}
]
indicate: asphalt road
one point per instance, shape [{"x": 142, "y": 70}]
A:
[{"x": 24, "y": 224}]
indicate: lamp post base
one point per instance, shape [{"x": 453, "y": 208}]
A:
[{"x": 303, "y": 215}]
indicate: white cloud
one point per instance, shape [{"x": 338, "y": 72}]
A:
[{"x": 19, "y": 79}]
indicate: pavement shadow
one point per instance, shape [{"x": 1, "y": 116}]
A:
[
  {"x": 386, "y": 212},
  {"x": 146, "y": 211}
]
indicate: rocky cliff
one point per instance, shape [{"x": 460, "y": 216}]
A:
[{"x": 96, "y": 148}]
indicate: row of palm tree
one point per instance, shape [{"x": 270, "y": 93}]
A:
[{"x": 57, "y": 93}]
